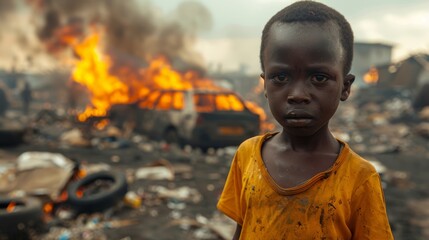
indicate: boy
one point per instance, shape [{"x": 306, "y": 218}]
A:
[{"x": 302, "y": 183}]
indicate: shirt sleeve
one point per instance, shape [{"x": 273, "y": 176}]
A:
[
  {"x": 369, "y": 218},
  {"x": 230, "y": 200}
]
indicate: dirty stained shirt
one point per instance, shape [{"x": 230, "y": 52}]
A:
[{"x": 344, "y": 202}]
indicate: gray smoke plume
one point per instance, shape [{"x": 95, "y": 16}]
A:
[
  {"x": 6, "y": 7},
  {"x": 134, "y": 29}
]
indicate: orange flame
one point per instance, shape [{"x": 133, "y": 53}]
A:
[
  {"x": 265, "y": 125},
  {"x": 109, "y": 84},
  {"x": 371, "y": 76},
  {"x": 63, "y": 197},
  {"x": 92, "y": 71},
  {"x": 10, "y": 207},
  {"x": 48, "y": 207},
  {"x": 79, "y": 193}
]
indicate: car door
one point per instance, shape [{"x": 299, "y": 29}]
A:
[{"x": 147, "y": 116}]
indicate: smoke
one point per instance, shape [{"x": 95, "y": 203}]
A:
[
  {"x": 133, "y": 29},
  {"x": 17, "y": 39},
  {"x": 6, "y": 7}
]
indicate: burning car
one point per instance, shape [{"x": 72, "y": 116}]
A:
[
  {"x": 200, "y": 118},
  {"x": 162, "y": 102}
]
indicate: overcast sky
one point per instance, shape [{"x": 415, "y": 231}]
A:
[
  {"x": 234, "y": 36},
  {"x": 389, "y": 18},
  {"x": 404, "y": 24}
]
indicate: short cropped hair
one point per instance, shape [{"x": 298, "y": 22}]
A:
[{"x": 309, "y": 11}]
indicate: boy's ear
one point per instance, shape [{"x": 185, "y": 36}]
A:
[
  {"x": 348, "y": 81},
  {"x": 265, "y": 87}
]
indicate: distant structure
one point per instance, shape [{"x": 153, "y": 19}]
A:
[
  {"x": 410, "y": 74},
  {"x": 367, "y": 55}
]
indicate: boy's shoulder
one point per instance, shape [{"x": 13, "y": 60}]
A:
[
  {"x": 359, "y": 164},
  {"x": 250, "y": 148},
  {"x": 253, "y": 142}
]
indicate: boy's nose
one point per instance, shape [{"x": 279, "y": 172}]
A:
[{"x": 298, "y": 94}]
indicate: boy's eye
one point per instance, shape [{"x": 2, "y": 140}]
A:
[
  {"x": 281, "y": 78},
  {"x": 319, "y": 78}
]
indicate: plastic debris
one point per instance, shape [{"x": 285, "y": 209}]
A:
[
  {"x": 158, "y": 170},
  {"x": 133, "y": 200}
]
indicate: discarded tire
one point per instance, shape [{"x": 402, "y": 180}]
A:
[
  {"x": 19, "y": 217},
  {"x": 97, "y": 192},
  {"x": 11, "y": 137}
]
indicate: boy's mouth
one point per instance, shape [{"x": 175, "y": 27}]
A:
[
  {"x": 298, "y": 114},
  {"x": 298, "y": 122},
  {"x": 298, "y": 118}
]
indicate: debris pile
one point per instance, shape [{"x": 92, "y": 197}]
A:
[{"x": 101, "y": 182}]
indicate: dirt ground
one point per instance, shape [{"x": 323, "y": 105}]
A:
[
  {"x": 406, "y": 201},
  {"x": 156, "y": 219},
  {"x": 392, "y": 141}
]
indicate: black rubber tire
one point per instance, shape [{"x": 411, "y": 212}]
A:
[
  {"x": 99, "y": 201},
  {"x": 25, "y": 219},
  {"x": 11, "y": 137}
]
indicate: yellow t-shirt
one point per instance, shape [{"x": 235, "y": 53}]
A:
[{"x": 344, "y": 202}]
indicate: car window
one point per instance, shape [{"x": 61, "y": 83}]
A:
[
  {"x": 170, "y": 101},
  {"x": 228, "y": 102},
  {"x": 218, "y": 102},
  {"x": 149, "y": 101},
  {"x": 178, "y": 100},
  {"x": 204, "y": 102},
  {"x": 164, "y": 102}
]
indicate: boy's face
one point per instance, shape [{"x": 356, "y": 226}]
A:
[{"x": 303, "y": 78}]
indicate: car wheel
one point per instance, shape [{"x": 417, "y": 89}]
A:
[
  {"x": 97, "y": 192},
  {"x": 19, "y": 217}
]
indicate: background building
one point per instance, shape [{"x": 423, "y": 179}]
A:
[{"x": 367, "y": 55}]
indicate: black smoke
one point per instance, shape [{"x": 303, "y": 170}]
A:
[{"x": 134, "y": 30}]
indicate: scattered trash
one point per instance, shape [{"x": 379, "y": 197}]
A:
[
  {"x": 133, "y": 200},
  {"x": 147, "y": 147},
  {"x": 31, "y": 160},
  {"x": 223, "y": 226},
  {"x": 211, "y": 159},
  {"x": 64, "y": 213},
  {"x": 74, "y": 137},
  {"x": 204, "y": 233},
  {"x": 218, "y": 226},
  {"x": 55, "y": 169},
  {"x": 158, "y": 170},
  {"x": 398, "y": 179},
  {"x": 65, "y": 235},
  {"x": 424, "y": 114},
  {"x": 176, "y": 204},
  {"x": 92, "y": 229},
  {"x": 115, "y": 158},
  {"x": 423, "y": 129},
  {"x": 183, "y": 193},
  {"x": 420, "y": 209},
  {"x": 148, "y": 191},
  {"x": 210, "y": 187},
  {"x": 96, "y": 167},
  {"x": 378, "y": 149}
]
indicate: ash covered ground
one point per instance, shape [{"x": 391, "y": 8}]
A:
[{"x": 389, "y": 133}]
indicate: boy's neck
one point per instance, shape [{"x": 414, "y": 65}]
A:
[{"x": 321, "y": 141}]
